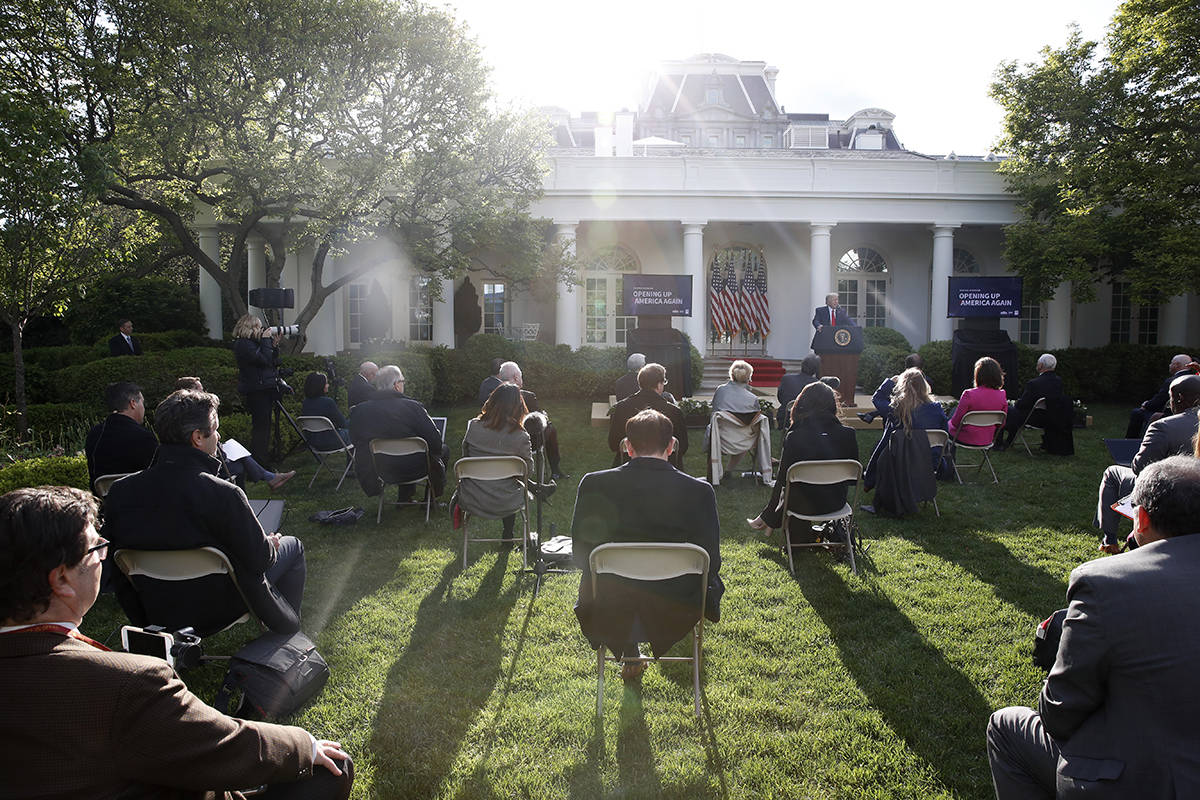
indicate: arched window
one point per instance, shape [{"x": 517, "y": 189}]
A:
[
  {"x": 604, "y": 320},
  {"x": 965, "y": 263},
  {"x": 862, "y": 286}
]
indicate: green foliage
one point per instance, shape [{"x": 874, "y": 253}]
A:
[
  {"x": 154, "y": 304},
  {"x": 557, "y": 372},
  {"x": 37, "y": 382},
  {"x": 878, "y": 363},
  {"x": 937, "y": 365},
  {"x": 45, "y": 471},
  {"x": 52, "y": 358},
  {"x": 52, "y": 419},
  {"x": 155, "y": 372},
  {"x": 886, "y": 337},
  {"x": 1103, "y": 154}
]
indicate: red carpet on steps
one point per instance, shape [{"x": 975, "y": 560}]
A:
[{"x": 767, "y": 371}]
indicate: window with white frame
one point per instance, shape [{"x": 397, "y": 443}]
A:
[
  {"x": 965, "y": 263},
  {"x": 420, "y": 309},
  {"x": 1131, "y": 323},
  {"x": 495, "y": 307},
  {"x": 768, "y": 141},
  {"x": 604, "y": 320},
  {"x": 356, "y": 309},
  {"x": 862, "y": 286},
  {"x": 712, "y": 96},
  {"x": 806, "y": 137},
  {"x": 1030, "y": 331}
]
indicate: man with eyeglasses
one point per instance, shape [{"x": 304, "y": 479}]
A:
[
  {"x": 79, "y": 720},
  {"x": 1117, "y": 716}
]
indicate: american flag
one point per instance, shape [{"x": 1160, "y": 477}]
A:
[
  {"x": 746, "y": 310},
  {"x": 762, "y": 310},
  {"x": 716, "y": 303}
]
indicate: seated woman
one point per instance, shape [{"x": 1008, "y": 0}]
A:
[
  {"x": 902, "y": 466},
  {"x": 497, "y": 431},
  {"x": 988, "y": 395},
  {"x": 318, "y": 403},
  {"x": 735, "y": 397},
  {"x": 815, "y": 434}
]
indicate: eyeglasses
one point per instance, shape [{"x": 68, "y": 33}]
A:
[{"x": 102, "y": 548}]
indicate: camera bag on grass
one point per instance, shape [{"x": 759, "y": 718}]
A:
[{"x": 277, "y": 674}]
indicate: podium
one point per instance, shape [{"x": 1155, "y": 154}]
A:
[{"x": 839, "y": 346}]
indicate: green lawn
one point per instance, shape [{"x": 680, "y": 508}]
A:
[{"x": 462, "y": 684}]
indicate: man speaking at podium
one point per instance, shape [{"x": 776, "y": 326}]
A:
[{"x": 830, "y": 314}]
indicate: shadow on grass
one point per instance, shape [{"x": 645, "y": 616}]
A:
[
  {"x": 923, "y": 698},
  {"x": 437, "y": 687},
  {"x": 1024, "y": 586},
  {"x": 635, "y": 756}
]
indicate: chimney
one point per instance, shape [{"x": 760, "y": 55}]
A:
[
  {"x": 770, "y": 73},
  {"x": 624, "y": 133},
  {"x": 604, "y": 140}
]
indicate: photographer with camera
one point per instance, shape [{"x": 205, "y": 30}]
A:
[
  {"x": 257, "y": 352},
  {"x": 79, "y": 720}
]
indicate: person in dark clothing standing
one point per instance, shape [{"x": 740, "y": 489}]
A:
[
  {"x": 123, "y": 344},
  {"x": 257, "y": 360},
  {"x": 121, "y": 443}
]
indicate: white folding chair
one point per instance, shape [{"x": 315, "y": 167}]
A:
[
  {"x": 651, "y": 561},
  {"x": 729, "y": 436},
  {"x": 494, "y": 468},
  {"x": 937, "y": 438},
  {"x": 104, "y": 482},
  {"x": 822, "y": 473},
  {"x": 407, "y": 446},
  {"x": 181, "y": 565},
  {"x": 978, "y": 419},
  {"x": 1040, "y": 405},
  {"x": 320, "y": 425}
]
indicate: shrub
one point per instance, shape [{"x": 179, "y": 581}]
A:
[
  {"x": 51, "y": 419},
  {"x": 172, "y": 340},
  {"x": 937, "y": 365},
  {"x": 154, "y": 304},
  {"x": 156, "y": 373},
  {"x": 45, "y": 471},
  {"x": 886, "y": 337},
  {"x": 878, "y": 363},
  {"x": 37, "y": 381},
  {"x": 52, "y": 358}
]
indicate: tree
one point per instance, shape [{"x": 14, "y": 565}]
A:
[
  {"x": 310, "y": 123},
  {"x": 1105, "y": 156},
  {"x": 54, "y": 236}
]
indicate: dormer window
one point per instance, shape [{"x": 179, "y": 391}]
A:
[{"x": 712, "y": 96}]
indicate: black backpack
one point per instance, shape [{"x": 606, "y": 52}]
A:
[{"x": 277, "y": 674}]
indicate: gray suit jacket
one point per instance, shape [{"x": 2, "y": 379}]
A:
[
  {"x": 1164, "y": 438},
  {"x": 1122, "y": 700}
]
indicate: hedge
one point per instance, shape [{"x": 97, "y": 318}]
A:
[
  {"x": 886, "y": 337},
  {"x": 156, "y": 373},
  {"x": 51, "y": 418},
  {"x": 878, "y": 363},
  {"x": 46, "y": 471}
]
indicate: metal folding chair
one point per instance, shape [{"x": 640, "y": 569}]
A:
[
  {"x": 104, "y": 482},
  {"x": 180, "y": 566},
  {"x": 409, "y": 445},
  {"x": 1040, "y": 405},
  {"x": 822, "y": 473},
  {"x": 937, "y": 438},
  {"x": 723, "y": 420},
  {"x": 320, "y": 425},
  {"x": 978, "y": 419},
  {"x": 651, "y": 561},
  {"x": 494, "y": 468}
]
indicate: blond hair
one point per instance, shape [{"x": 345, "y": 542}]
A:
[
  {"x": 911, "y": 393},
  {"x": 247, "y": 326}
]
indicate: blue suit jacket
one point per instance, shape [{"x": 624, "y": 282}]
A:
[{"x": 821, "y": 317}]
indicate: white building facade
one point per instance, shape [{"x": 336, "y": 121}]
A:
[{"x": 710, "y": 165}]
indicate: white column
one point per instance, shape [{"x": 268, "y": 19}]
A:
[
  {"x": 443, "y": 313},
  {"x": 1173, "y": 321},
  {"x": 1058, "y": 318},
  {"x": 256, "y": 266},
  {"x": 566, "y": 311},
  {"x": 210, "y": 290},
  {"x": 940, "y": 326},
  {"x": 693, "y": 266},
  {"x": 820, "y": 277}
]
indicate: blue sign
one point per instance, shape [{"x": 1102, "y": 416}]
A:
[
  {"x": 973, "y": 296},
  {"x": 658, "y": 295}
]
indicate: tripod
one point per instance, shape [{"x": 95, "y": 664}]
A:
[
  {"x": 542, "y": 563},
  {"x": 277, "y": 411}
]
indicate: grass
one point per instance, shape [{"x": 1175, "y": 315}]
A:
[{"x": 451, "y": 683}]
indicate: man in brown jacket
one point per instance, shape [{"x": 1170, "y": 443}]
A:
[{"x": 80, "y": 720}]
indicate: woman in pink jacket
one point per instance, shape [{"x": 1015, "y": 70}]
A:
[{"x": 988, "y": 395}]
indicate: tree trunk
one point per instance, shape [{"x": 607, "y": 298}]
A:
[{"x": 18, "y": 330}]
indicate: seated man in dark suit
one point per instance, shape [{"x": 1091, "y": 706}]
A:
[
  {"x": 180, "y": 503},
  {"x": 1046, "y": 385},
  {"x": 652, "y": 379},
  {"x": 393, "y": 415},
  {"x": 361, "y": 387},
  {"x": 1167, "y": 437},
  {"x": 89, "y": 722},
  {"x": 790, "y": 386},
  {"x": 123, "y": 344},
  {"x": 627, "y": 384},
  {"x": 1148, "y": 411},
  {"x": 121, "y": 443},
  {"x": 882, "y": 399},
  {"x": 645, "y": 500},
  {"x": 1117, "y": 716},
  {"x": 490, "y": 383}
]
